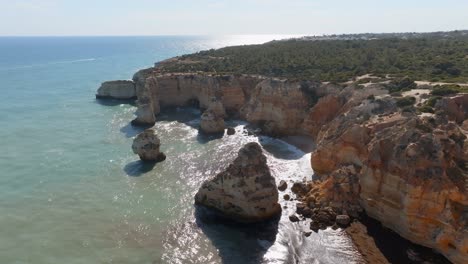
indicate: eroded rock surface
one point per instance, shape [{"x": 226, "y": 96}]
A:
[
  {"x": 146, "y": 145},
  {"x": 122, "y": 90},
  {"x": 406, "y": 170},
  {"x": 245, "y": 191},
  {"x": 456, "y": 107},
  {"x": 212, "y": 120}
]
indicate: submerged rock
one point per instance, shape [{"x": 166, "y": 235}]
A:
[
  {"x": 123, "y": 90},
  {"x": 245, "y": 191},
  {"x": 294, "y": 218},
  {"x": 282, "y": 186},
  {"x": 146, "y": 145},
  {"x": 231, "y": 131}
]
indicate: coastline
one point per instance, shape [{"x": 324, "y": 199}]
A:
[
  {"x": 254, "y": 98},
  {"x": 348, "y": 126}
]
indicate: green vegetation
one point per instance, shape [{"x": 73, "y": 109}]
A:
[
  {"x": 432, "y": 100},
  {"x": 426, "y": 109},
  {"x": 442, "y": 90},
  {"x": 428, "y": 106},
  {"x": 405, "y": 101},
  {"x": 401, "y": 84},
  {"x": 433, "y": 57}
]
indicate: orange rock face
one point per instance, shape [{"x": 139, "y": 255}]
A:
[
  {"x": 411, "y": 172},
  {"x": 268, "y": 105}
]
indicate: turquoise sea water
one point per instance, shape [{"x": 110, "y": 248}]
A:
[{"x": 71, "y": 190}]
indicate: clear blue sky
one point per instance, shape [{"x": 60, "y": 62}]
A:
[{"x": 213, "y": 17}]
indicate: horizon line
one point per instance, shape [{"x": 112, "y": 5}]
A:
[{"x": 256, "y": 34}]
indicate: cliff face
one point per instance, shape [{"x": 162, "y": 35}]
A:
[
  {"x": 122, "y": 90},
  {"x": 278, "y": 106},
  {"x": 409, "y": 172},
  {"x": 255, "y": 99},
  {"x": 185, "y": 89},
  {"x": 406, "y": 170}
]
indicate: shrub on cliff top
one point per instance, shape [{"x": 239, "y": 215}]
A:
[
  {"x": 426, "y": 109},
  {"x": 339, "y": 60},
  {"x": 402, "y": 84},
  {"x": 443, "y": 90},
  {"x": 405, "y": 101},
  {"x": 432, "y": 101}
]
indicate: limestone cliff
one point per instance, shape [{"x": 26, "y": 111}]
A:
[
  {"x": 407, "y": 171},
  {"x": 123, "y": 90},
  {"x": 163, "y": 90},
  {"x": 259, "y": 100}
]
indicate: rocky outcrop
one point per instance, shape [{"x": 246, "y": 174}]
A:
[
  {"x": 147, "y": 105},
  {"x": 245, "y": 191},
  {"x": 211, "y": 123},
  {"x": 455, "y": 107},
  {"x": 268, "y": 108},
  {"x": 122, "y": 90},
  {"x": 212, "y": 120},
  {"x": 407, "y": 171},
  {"x": 146, "y": 145},
  {"x": 230, "y": 131}
]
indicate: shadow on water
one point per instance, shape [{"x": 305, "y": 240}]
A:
[
  {"x": 237, "y": 243},
  {"x": 184, "y": 115},
  {"x": 397, "y": 249},
  {"x": 203, "y": 138},
  {"x": 280, "y": 151},
  {"x": 138, "y": 168},
  {"x": 115, "y": 102}
]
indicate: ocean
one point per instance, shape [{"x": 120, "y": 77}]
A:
[{"x": 72, "y": 191}]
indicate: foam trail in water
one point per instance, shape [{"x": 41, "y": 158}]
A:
[{"x": 47, "y": 64}]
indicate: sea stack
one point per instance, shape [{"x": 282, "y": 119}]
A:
[
  {"x": 146, "y": 145},
  {"x": 212, "y": 120},
  {"x": 246, "y": 191}
]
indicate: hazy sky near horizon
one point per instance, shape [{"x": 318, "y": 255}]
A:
[{"x": 215, "y": 17}]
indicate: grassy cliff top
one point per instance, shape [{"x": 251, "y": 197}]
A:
[{"x": 436, "y": 57}]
